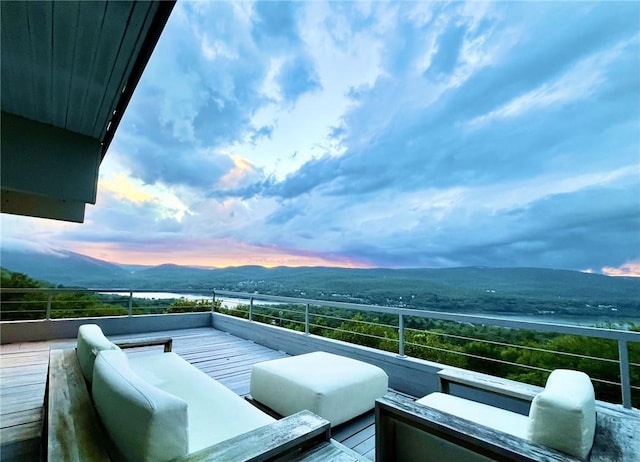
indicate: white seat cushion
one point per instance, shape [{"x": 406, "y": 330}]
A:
[
  {"x": 215, "y": 412},
  {"x": 333, "y": 387},
  {"x": 144, "y": 423},
  {"x": 482, "y": 414},
  {"x": 91, "y": 341},
  {"x": 563, "y": 415}
]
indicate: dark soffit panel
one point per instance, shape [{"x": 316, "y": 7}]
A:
[
  {"x": 72, "y": 65},
  {"x": 75, "y": 64}
]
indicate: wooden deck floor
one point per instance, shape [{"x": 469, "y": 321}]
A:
[{"x": 226, "y": 358}]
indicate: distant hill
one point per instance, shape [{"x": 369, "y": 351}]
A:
[
  {"x": 472, "y": 289},
  {"x": 64, "y": 267}
]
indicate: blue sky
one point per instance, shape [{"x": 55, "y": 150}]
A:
[{"x": 404, "y": 134}]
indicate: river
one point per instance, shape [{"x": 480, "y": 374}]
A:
[{"x": 231, "y": 302}]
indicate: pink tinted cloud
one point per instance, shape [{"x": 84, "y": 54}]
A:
[
  {"x": 629, "y": 269},
  {"x": 218, "y": 253}
]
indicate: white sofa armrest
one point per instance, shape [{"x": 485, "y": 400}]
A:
[
  {"x": 144, "y": 423},
  {"x": 563, "y": 416},
  {"x": 91, "y": 341}
]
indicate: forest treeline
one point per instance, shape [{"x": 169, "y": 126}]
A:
[{"x": 521, "y": 355}]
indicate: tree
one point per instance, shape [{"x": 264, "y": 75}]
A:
[
  {"x": 15, "y": 306},
  {"x": 191, "y": 306}
]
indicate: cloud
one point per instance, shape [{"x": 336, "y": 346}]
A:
[
  {"x": 200, "y": 89},
  {"x": 202, "y": 252},
  {"x": 297, "y": 77},
  {"x": 390, "y": 144},
  {"x": 124, "y": 192},
  {"x": 27, "y": 246},
  {"x": 550, "y": 222},
  {"x": 284, "y": 214},
  {"x": 275, "y": 25},
  {"x": 124, "y": 189},
  {"x": 265, "y": 131},
  {"x": 629, "y": 269},
  {"x": 384, "y": 133},
  {"x": 242, "y": 173},
  {"x": 578, "y": 83},
  {"x": 565, "y": 230},
  {"x": 448, "y": 50}
]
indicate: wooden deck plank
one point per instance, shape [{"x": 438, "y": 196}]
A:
[
  {"x": 368, "y": 443},
  {"x": 234, "y": 358},
  {"x": 13, "y": 359},
  {"x": 222, "y": 356},
  {"x": 7, "y": 392},
  {"x": 358, "y": 434},
  {"x": 359, "y": 437},
  {"x": 9, "y": 406},
  {"x": 11, "y": 419},
  {"x": 346, "y": 430},
  {"x": 371, "y": 454},
  {"x": 240, "y": 388},
  {"x": 9, "y": 373},
  {"x": 22, "y": 432},
  {"x": 15, "y": 376},
  {"x": 28, "y": 346}
]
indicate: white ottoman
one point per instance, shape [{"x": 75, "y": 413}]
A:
[{"x": 331, "y": 386}]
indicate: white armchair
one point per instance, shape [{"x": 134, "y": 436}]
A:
[
  {"x": 564, "y": 423},
  {"x": 562, "y": 416}
]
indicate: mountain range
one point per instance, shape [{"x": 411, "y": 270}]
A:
[{"x": 394, "y": 286}]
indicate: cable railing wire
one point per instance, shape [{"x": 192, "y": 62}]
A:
[
  {"x": 460, "y": 337},
  {"x": 466, "y": 338},
  {"x": 515, "y": 345},
  {"x": 60, "y": 308},
  {"x": 478, "y": 357}
]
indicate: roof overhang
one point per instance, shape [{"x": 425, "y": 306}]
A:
[{"x": 68, "y": 70}]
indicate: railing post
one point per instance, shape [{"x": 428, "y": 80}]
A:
[
  {"x": 213, "y": 301},
  {"x": 251, "y": 309},
  {"x": 401, "y": 335},
  {"x": 48, "y": 315},
  {"x": 625, "y": 381},
  {"x": 306, "y": 319},
  {"x": 130, "y": 309}
]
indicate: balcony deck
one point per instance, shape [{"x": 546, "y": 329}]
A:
[{"x": 225, "y": 357}]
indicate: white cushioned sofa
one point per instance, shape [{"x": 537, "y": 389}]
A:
[{"x": 156, "y": 407}]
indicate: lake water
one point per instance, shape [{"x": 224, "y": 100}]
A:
[{"x": 231, "y": 302}]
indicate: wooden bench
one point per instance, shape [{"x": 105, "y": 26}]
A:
[
  {"x": 401, "y": 423},
  {"x": 73, "y": 431}
]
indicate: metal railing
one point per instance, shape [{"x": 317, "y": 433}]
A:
[
  {"x": 620, "y": 336},
  {"x": 125, "y": 300},
  {"x": 623, "y": 338}
]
